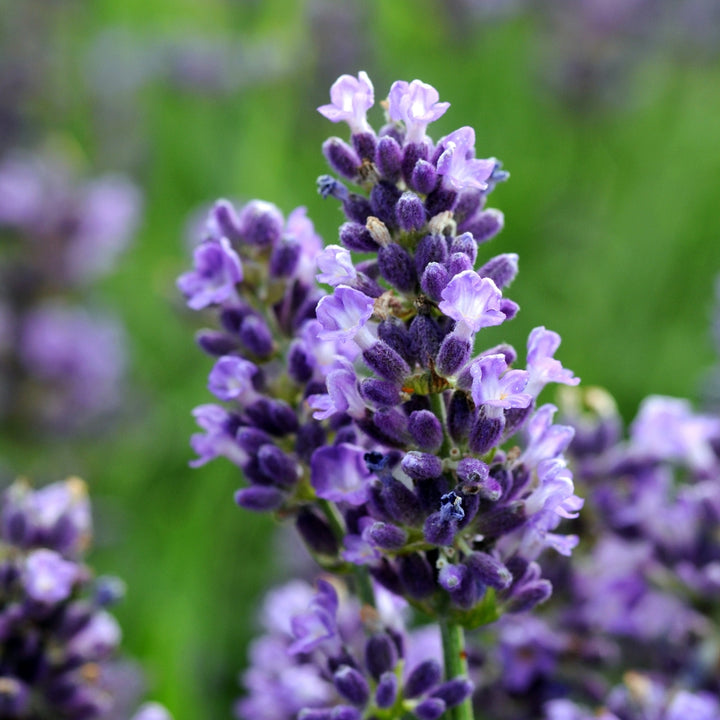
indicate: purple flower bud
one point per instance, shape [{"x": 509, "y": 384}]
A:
[
  {"x": 486, "y": 431},
  {"x": 469, "y": 202},
  {"x": 397, "y": 267},
  {"x": 485, "y": 225},
  {"x": 260, "y": 498},
  {"x": 385, "y": 536},
  {"x": 421, "y": 466},
  {"x": 260, "y": 223},
  {"x": 227, "y": 221},
  {"x": 422, "y": 678},
  {"x": 453, "y": 355},
  {"x": 460, "y": 416},
  {"x": 413, "y": 153},
  {"x": 380, "y": 393},
  {"x": 458, "y": 263},
  {"x": 386, "y": 691},
  {"x": 401, "y": 503},
  {"x": 385, "y": 362},
  {"x": 440, "y": 529},
  {"x": 501, "y": 269},
  {"x": 395, "y": 334},
  {"x": 434, "y": 280},
  {"x": 383, "y": 198},
  {"x": 426, "y": 430},
  {"x": 430, "y": 709},
  {"x": 440, "y": 200},
  {"x": 273, "y": 416},
  {"x": 423, "y": 177},
  {"x": 509, "y": 308},
  {"x": 216, "y": 342},
  {"x": 365, "y": 144},
  {"x": 109, "y": 590},
  {"x": 501, "y": 520},
  {"x": 389, "y": 158},
  {"x": 255, "y": 335},
  {"x": 488, "y": 570},
  {"x": 410, "y": 212},
  {"x": 476, "y": 481},
  {"x": 341, "y": 158},
  {"x": 387, "y": 576},
  {"x": 284, "y": 258},
  {"x": 460, "y": 585},
  {"x": 276, "y": 465},
  {"x": 351, "y": 685},
  {"x": 328, "y": 186},
  {"x": 380, "y": 655},
  {"x": 451, "y": 577},
  {"x": 356, "y": 237},
  {"x": 529, "y": 596},
  {"x": 48, "y": 578},
  {"x": 431, "y": 248},
  {"x": 466, "y": 244},
  {"x": 515, "y": 418},
  {"x": 416, "y": 576},
  {"x": 316, "y": 533},
  {"x": 454, "y": 691},
  {"x": 357, "y": 208},
  {"x": 97, "y": 639}
]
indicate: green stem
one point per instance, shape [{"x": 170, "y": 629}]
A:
[{"x": 453, "y": 642}]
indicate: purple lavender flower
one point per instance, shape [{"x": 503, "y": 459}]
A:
[
  {"x": 417, "y": 105},
  {"x": 542, "y": 366},
  {"x": 217, "y": 270},
  {"x": 351, "y": 99},
  {"x": 473, "y": 302},
  {"x": 339, "y": 474},
  {"x": 232, "y": 379},
  {"x": 336, "y": 267},
  {"x": 457, "y": 164},
  {"x": 344, "y": 315},
  {"x": 48, "y": 578},
  {"x": 496, "y": 386}
]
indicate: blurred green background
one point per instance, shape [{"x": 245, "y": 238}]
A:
[{"x": 613, "y": 206}]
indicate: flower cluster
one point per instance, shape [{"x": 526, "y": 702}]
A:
[
  {"x": 61, "y": 364},
  {"x": 57, "y": 640},
  {"x": 366, "y": 413}
]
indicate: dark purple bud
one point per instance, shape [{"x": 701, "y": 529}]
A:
[
  {"x": 518, "y": 566},
  {"x": 389, "y": 158},
  {"x": 454, "y": 691},
  {"x": 383, "y": 198},
  {"x": 255, "y": 335},
  {"x": 395, "y": 334},
  {"x": 276, "y": 465},
  {"x": 475, "y": 480},
  {"x": 260, "y": 498},
  {"x": 387, "y": 576},
  {"x": 284, "y": 259},
  {"x": 365, "y": 144},
  {"x": 440, "y": 529},
  {"x": 421, "y": 466},
  {"x": 386, "y": 691},
  {"x": 328, "y": 186},
  {"x": 386, "y": 536},
  {"x": 316, "y": 532},
  {"x": 515, "y": 418},
  {"x": 356, "y": 237},
  {"x": 273, "y": 416},
  {"x": 380, "y": 655},
  {"x": 485, "y": 225},
  {"x": 345, "y": 712},
  {"x": 380, "y": 393},
  {"x": 299, "y": 365},
  {"x": 434, "y": 280},
  {"x": 508, "y": 308},
  {"x": 412, "y": 152},
  {"x": 460, "y": 416},
  {"x": 485, "y": 432},
  {"x": 529, "y": 596},
  {"x": 357, "y": 208},
  {"x": 423, "y": 678},
  {"x": 502, "y": 520},
  {"x": 216, "y": 342},
  {"x": 385, "y": 362},
  {"x": 231, "y": 318},
  {"x": 368, "y": 286},
  {"x": 460, "y": 585},
  {"x": 15, "y": 528},
  {"x": 351, "y": 685},
  {"x": 440, "y": 200},
  {"x": 487, "y": 570},
  {"x": 426, "y": 430},
  {"x": 453, "y": 355},
  {"x": 260, "y": 223},
  {"x": 396, "y": 266},
  {"x": 416, "y": 576},
  {"x": 424, "y": 177},
  {"x": 410, "y": 212},
  {"x": 469, "y": 202},
  {"x": 388, "y": 427},
  {"x": 251, "y": 439},
  {"x": 430, "y": 709},
  {"x": 401, "y": 503},
  {"x": 466, "y": 244},
  {"x": 227, "y": 220},
  {"x": 501, "y": 269},
  {"x": 458, "y": 262},
  {"x": 341, "y": 158},
  {"x": 431, "y": 248}
]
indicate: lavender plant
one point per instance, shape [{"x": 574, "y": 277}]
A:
[
  {"x": 58, "y": 641},
  {"x": 365, "y": 413}
]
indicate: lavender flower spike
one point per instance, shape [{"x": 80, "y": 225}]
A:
[
  {"x": 351, "y": 99},
  {"x": 344, "y": 314},
  {"x": 473, "y": 302},
  {"x": 416, "y": 104},
  {"x": 458, "y": 165}
]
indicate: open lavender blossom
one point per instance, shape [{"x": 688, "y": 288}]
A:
[{"x": 58, "y": 642}]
